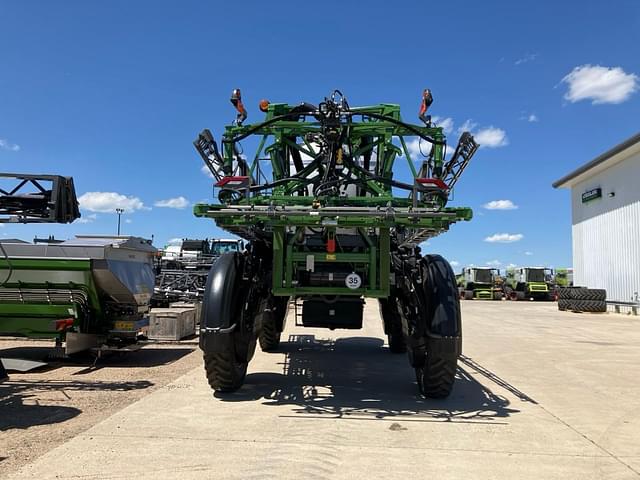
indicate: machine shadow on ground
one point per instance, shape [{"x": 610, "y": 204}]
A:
[
  {"x": 359, "y": 378},
  {"x": 145, "y": 357},
  {"x": 15, "y": 413}
]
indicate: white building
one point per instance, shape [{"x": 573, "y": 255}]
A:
[{"x": 605, "y": 205}]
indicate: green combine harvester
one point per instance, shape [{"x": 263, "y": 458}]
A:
[
  {"x": 563, "y": 277},
  {"x": 479, "y": 283},
  {"x": 329, "y": 224},
  {"x": 88, "y": 291},
  {"x": 530, "y": 283}
]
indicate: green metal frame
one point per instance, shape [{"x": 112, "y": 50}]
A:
[{"x": 285, "y": 215}]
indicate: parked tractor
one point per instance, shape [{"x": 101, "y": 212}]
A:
[
  {"x": 226, "y": 245},
  {"x": 530, "y": 283},
  {"x": 325, "y": 230},
  {"x": 480, "y": 283}
]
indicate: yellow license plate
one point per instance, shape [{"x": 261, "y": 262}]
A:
[{"x": 121, "y": 325}]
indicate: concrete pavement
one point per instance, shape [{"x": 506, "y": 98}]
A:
[{"x": 540, "y": 394}]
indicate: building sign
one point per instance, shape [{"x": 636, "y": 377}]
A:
[{"x": 591, "y": 195}]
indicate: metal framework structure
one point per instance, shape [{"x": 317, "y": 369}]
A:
[
  {"x": 38, "y": 199},
  {"x": 323, "y": 171},
  {"x": 329, "y": 224},
  {"x": 179, "y": 285}
]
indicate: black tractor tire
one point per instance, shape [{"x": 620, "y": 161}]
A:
[
  {"x": 436, "y": 375},
  {"x": 397, "y": 343},
  {"x": 272, "y": 322},
  {"x": 269, "y": 335},
  {"x": 497, "y": 295},
  {"x": 565, "y": 304},
  {"x": 226, "y": 355},
  {"x": 565, "y": 293},
  {"x": 224, "y": 373},
  {"x": 596, "y": 294},
  {"x": 468, "y": 294},
  {"x": 570, "y": 292},
  {"x": 392, "y": 325},
  {"x": 589, "y": 306},
  {"x": 517, "y": 296},
  {"x": 435, "y": 379}
]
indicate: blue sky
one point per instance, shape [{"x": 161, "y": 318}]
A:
[{"x": 113, "y": 93}]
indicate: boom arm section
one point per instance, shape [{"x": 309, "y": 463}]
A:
[{"x": 38, "y": 199}]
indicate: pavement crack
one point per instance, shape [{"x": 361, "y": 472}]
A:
[
  {"x": 588, "y": 439},
  {"x": 358, "y": 445}
]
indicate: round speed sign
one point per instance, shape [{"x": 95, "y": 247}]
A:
[{"x": 353, "y": 281}]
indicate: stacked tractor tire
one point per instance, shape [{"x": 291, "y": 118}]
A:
[{"x": 581, "y": 299}]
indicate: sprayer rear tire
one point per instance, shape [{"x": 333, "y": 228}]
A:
[
  {"x": 396, "y": 343},
  {"x": 436, "y": 375},
  {"x": 392, "y": 325},
  {"x": 269, "y": 334},
  {"x": 224, "y": 372},
  {"x": 435, "y": 379}
]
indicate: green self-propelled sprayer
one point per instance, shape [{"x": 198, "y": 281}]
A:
[{"x": 326, "y": 227}]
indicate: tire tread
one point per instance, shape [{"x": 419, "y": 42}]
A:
[
  {"x": 224, "y": 374},
  {"x": 437, "y": 376},
  {"x": 269, "y": 335}
]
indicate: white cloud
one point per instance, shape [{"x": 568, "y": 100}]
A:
[
  {"x": 529, "y": 117},
  {"x": 206, "y": 171},
  {"x": 512, "y": 265},
  {"x": 454, "y": 263},
  {"x": 491, "y": 137},
  {"x": 107, "y": 202},
  {"x": 128, "y": 220},
  {"x": 445, "y": 123},
  {"x": 174, "y": 241},
  {"x": 468, "y": 126},
  {"x": 599, "y": 84},
  {"x": 500, "y": 205},
  {"x": 87, "y": 218},
  {"x": 494, "y": 263},
  {"x": 178, "y": 202},
  {"x": 504, "y": 238},
  {"x": 6, "y": 145},
  {"x": 529, "y": 57},
  {"x": 528, "y": 253}
]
